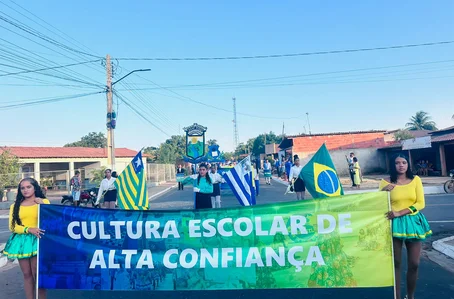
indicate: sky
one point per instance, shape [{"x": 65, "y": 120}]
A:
[{"x": 368, "y": 90}]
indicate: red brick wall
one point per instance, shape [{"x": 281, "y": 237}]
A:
[{"x": 309, "y": 144}]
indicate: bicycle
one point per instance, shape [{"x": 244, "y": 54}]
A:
[{"x": 449, "y": 184}]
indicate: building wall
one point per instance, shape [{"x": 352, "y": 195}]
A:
[
  {"x": 307, "y": 145},
  {"x": 370, "y": 159}
]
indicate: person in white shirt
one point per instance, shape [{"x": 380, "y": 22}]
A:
[
  {"x": 298, "y": 183},
  {"x": 267, "y": 171},
  {"x": 216, "y": 178},
  {"x": 108, "y": 190}
]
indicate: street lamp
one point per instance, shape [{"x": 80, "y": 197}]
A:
[{"x": 111, "y": 117}]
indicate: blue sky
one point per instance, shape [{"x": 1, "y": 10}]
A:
[{"x": 356, "y": 100}]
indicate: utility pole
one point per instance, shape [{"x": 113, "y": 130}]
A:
[
  {"x": 110, "y": 130},
  {"x": 308, "y": 123},
  {"x": 235, "y": 126}
]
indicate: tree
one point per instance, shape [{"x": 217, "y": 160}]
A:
[
  {"x": 152, "y": 151},
  {"x": 172, "y": 150},
  {"x": 9, "y": 170},
  {"x": 97, "y": 175},
  {"x": 259, "y": 142},
  {"x": 402, "y": 135},
  {"x": 212, "y": 142},
  {"x": 228, "y": 156},
  {"x": 421, "y": 121},
  {"x": 93, "y": 139}
]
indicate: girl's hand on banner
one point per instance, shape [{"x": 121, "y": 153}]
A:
[
  {"x": 388, "y": 187},
  {"x": 391, "y": 215},
  {"x": 36, "y": 231},
  {"x": 196, "y": 189}
]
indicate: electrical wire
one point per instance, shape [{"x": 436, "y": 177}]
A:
[
  {"x": 293, "y": 54},
  {"x": 25, "y": 103},
  {"x": 48, "y": 68}
]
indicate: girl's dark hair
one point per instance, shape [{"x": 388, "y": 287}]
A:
[
  {"x": 207, "y": 176},
  {"x": 20, "y": 198},
  {"x": 355, "y": 159},
  {"x": 393, "y": 171}
]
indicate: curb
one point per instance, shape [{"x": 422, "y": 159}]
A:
[
  {"x": 3, "y": 259},
  {"x": 161, "y": 192},
  {"x": 428, "y": 190},
  {"x": 442, "y": 247}
]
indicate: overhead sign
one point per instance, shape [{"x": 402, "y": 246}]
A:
[{"x": 417, "y": 143}]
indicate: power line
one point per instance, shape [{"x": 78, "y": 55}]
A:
[
  {"x": 293, "y": 54},
  {"x": 33, "y": 102},
  {"x": 49, "y": 68}
]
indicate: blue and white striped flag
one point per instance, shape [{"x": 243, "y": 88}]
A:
[{"x": 240, "y": 179}]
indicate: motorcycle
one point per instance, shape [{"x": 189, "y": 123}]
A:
[
  {"x": 87, "y": 197},
  {"x": 449, "y": 185}
]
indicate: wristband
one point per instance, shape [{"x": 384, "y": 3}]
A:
[
  {"x": 26, "y": 230},
  {"x": 413, "y": 209}
]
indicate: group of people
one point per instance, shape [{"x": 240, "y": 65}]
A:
[
  {"x": 354, "y": 169},
  {"x": 107, "y": 190},
  {"x": 409, "y": 225},
  {"x": 423, "y": 167}
]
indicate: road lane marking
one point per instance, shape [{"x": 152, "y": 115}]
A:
[
  {"x": 5, "y": 231},
  {"x": 440, "y": 204},
  {"x": 441, "y": 221}
]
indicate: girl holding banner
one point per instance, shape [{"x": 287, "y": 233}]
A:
[
  {"x": 203, "y": 187},
  {"x": 267, "y": 171},
  {"x": 23, "y": 243},
  {"x": 216, "y": 179},
  {"x": 408, "y": 224},
  {"x": 297, "y": 181}
]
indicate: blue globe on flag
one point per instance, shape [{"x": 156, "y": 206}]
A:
[{"x": 328, "y": 182}]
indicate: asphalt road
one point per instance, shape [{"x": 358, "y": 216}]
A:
[{"x": 436, "y": 278}]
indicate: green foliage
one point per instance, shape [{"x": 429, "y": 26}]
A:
[
  {"x": 172, "y": 150},
  {"x": 256, "y": 145},
  {"x": 93, "y": 139},
  {"x": 152, "y": 151},
  {"x": 402, "y": 135},
  {"x": 9, "y": 170},
  {"x": 228, "y": 156},
  {"x": 46, "y": 181},
  {"x": 97, "y": 175},
  {"x": 421, "y": 121}
]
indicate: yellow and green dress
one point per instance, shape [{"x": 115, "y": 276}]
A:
[
  {"x": 21, "y": 244},
  {"x": 357, "y": 175},
  {"x": 413, "y": 226}
]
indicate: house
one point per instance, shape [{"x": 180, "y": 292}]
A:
[
  {"x": 58, "y": 164},
  {"x": 363, "y": 143},
  {"x": 437, "y": 147}
]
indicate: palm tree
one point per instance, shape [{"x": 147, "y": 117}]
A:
[{"x": 421, "y": 121}]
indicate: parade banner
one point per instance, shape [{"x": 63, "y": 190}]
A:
[{"x": 311, "y": 246}]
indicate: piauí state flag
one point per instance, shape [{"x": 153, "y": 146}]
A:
[
  {"x": 320, "y": 175},
  {"x": 131, "y": 186}
]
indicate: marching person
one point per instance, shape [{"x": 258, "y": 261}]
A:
[
  {"x": 180, "y": 172},
  {"x": 351, "y": 168},
  {"x": 358, "y": 176},
  {"x": 409, "y": 225},
  {"x": 267, "y": 171},
  {"x": 23, "y": 223},
  {"x": 107, "y": 190},
  {"x": 298, "y": 184},
  {"x": 216, "y": 179},
  {"x": 203, "y": 187}
]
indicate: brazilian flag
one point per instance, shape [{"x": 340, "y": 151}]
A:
[
  {"x": 320, "y": 175},
  {"x": 132, "y": 186}
]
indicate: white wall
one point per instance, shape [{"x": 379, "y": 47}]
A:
[{"x": 370, "y": 159}]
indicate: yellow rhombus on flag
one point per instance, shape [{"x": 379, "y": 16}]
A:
[{"x": 131, "y": 186}]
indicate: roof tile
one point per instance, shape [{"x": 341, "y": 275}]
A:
[{"x": 66, "y": 152}]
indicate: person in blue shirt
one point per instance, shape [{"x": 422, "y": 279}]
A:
[
  {"x": 203, "y": 187},
  {"x": 277, "y": 164},
  {"x": 288, "y": 166}
]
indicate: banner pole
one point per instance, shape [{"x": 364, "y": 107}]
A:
[
  {"x": 392, "y": 245},
  {"x": 37, "y": 259}
]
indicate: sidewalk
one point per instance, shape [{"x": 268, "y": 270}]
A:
[
  {"x": 432, "y": 185},
  {"x": 445, "y": 246}
]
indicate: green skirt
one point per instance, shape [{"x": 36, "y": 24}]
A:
[
  {"x": 411, "y": 227},
  {"x": 267, "y": 173},
  {"x": 21, "y": 246}
]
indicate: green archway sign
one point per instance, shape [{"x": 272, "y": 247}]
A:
[{"x": 195, "y": 143}]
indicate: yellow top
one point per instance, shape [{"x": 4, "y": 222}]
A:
[
  {"x": 28, "y": 216},
  {"x": 409, "y": 196}
]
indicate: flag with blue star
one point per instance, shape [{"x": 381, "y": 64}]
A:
[
  {"x": 320, "y": 175},
  {"x": 131, "y": 186}
]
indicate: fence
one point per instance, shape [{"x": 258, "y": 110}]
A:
[
  {"x": 59, "y": 180},
  {"x": 157, "y": 173}
]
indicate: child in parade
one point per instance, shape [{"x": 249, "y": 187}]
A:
[
  {"x": 216, "y": 179},
  {"x": 203, "y": 187},
  {"x": 23, "y": 243},
  {"x": 298, "y": 183},
  {"x": 409, "y": 225}
]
